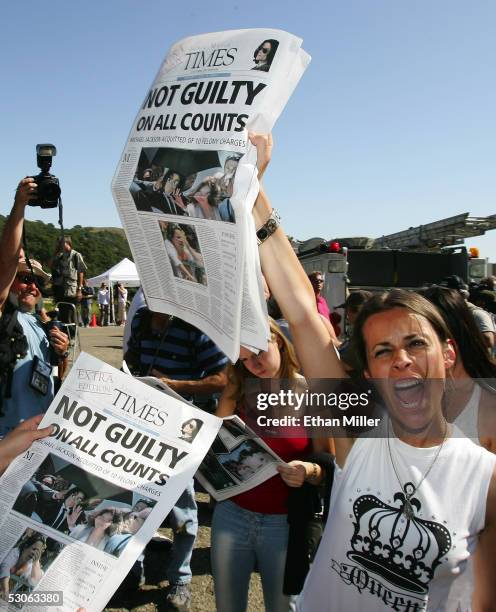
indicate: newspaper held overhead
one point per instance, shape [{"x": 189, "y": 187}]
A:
[
  {"x": 186, "y": 181},
  {"x": 79, "y": 506}
]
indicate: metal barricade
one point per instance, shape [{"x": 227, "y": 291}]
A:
[{"x": 73, "y": 331}]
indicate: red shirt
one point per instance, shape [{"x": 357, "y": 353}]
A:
[
  {"x": 271, "y": 497},
  {"x": 322, "y": 307}
]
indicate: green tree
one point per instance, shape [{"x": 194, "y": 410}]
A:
[{"x": 101, "y": 248}]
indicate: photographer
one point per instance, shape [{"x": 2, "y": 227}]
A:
[
  {"x": 68, "y": 270},
  {"x": 26, "y": 385}
]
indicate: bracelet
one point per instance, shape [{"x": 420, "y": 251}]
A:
[
  {"x": 313, "y": 475},
  {"x": 269, "y": 227}
]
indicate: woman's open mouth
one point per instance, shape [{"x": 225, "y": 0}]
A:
[{"x": 409, "y": 392}]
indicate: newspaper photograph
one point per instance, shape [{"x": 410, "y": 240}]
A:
[
  {"x": 79, "y": 506},
  {"x": 237, "y": 461},
  {"x": 187, "y": 179},
  {"x": 27, "y": 562}
]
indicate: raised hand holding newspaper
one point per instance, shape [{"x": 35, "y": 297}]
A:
[
  {"x": 89, "y": 497},
  {"x": 186, "y": 181}
]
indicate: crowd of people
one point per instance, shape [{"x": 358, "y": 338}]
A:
[{"x": 404, "y": 512}]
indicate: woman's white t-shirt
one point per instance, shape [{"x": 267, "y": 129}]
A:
[
  {"x": 372, "y": 558},
  {"x": 103, "y": 297}
]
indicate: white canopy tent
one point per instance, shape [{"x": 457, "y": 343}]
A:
[{"x": 123, "y": 272}]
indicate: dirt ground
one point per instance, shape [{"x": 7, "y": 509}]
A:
[
  {"x": 106, "y": 344},
  {"x": 151, "y": 596}
]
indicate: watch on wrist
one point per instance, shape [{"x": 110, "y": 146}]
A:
[{"x": 269, "y": 227}]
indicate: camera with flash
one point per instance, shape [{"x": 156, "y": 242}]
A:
[{"x": 48, "y": 185}]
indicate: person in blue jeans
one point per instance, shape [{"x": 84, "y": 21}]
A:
[
  {"x": 192, "y": 365},
  {"x": 250, "y": 530},
  {"x": 183, "y": 520}
]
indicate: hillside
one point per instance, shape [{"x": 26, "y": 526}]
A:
[{"x": 101, "y": 247}]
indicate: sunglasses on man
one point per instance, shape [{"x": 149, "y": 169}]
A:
[{"x": 29, "y": 279}]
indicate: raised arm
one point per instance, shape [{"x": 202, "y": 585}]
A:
[
  {"x": 10, "y": 243},
  {"x": 293, "y": 292},
  {"x": 291, "y": 288}
]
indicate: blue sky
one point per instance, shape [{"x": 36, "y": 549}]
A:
[{"x": 392, "y": 125}]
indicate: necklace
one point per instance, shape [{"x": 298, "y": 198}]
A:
[{"x": 408, "y": 511}]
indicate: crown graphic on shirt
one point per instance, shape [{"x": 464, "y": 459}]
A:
[{"x": 404, "y": 551}]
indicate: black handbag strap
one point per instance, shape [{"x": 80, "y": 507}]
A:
[
  {"x": 7, "y": 375},
  {"x": 11, "y": 323}
]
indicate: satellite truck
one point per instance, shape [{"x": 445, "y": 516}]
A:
[{"x": 410, "y": 259}]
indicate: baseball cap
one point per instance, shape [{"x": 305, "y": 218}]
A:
[
  {"x": 356, "y": 299},
  {"x": 454, "y": 282},
  {"x": 23, "y": 266}
]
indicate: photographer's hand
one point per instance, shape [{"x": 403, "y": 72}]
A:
[
  {"x": 26, "y": 191},
  {"x": 10, "y": 243},
  {"x": 59, "y": 341}
]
